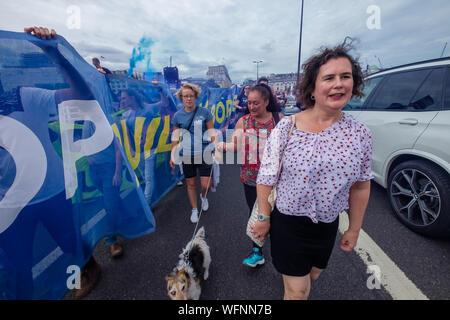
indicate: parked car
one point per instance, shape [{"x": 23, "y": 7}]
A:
[
  {"x": 290, "y": 107},
  {"x": 407, "y": 109}
]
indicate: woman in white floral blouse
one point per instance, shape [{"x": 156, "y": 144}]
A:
[{"x": 326, "y": 169}]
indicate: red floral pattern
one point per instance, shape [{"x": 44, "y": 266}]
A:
[
  {"x": 255, "y": 137},
  {"x": 318, "y": 169}
]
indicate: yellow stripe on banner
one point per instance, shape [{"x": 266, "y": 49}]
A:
[
  {"x": 138, "y": 125},
  {"x": 229, "y": 110},
  {"x": 163, "y": 146},
  {"x": 116, "y": 132},
  {"x": 220, "y": 105},
  {"x": 150, "y": 137},
  {"x": 137, "y": 180}
]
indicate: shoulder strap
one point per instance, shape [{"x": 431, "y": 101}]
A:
[
  {"x": 192, "y": 119},
  {"x": 292, "y": 118}
]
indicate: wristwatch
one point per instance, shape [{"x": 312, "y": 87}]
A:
[{"x": 262, "y": 217}]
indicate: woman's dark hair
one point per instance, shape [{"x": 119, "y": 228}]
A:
[
  {"x": 266, "y": 94},
  {"x": 241, "y": 93},
  {"x": 311, "y": 71},
  {"x": 263, "y": 79}
]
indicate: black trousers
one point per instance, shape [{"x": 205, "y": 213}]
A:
[{"x": 250, "y": 197}]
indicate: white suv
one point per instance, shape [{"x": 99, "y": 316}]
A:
[{"x": 407, "y": 108}]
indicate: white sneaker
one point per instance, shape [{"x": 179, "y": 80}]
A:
[
  {"x": 205, "y": 204},
  {"x": 194, "y": 215}
]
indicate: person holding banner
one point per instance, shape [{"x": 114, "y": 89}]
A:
[
  {"x": 81, "y": 105},
  {"x": 190, "y": 125},
  {"x": 133, "y": 103},
  {"x": 250, "y": 134},
  {"x": 48, "y": 207}
]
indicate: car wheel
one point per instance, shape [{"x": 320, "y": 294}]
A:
[{"x": 419, "y": 192}]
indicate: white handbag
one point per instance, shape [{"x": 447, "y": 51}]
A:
[{"x": 272, "y": 196}]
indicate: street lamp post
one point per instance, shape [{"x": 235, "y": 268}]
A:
[
  {"x": 257, "y": 68},
  {"x": 300, "y": 45}
]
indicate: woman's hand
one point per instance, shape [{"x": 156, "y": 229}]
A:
[
  {"x": 260, "y": 229},
  {"x": 172, "y": 163},
  {"x": 40, "y": 32},
  {"x": 349, "y": 240},
  {"x": 222, "y": 147}
]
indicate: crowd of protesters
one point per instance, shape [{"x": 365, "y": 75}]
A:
[{"x": 319, "y": 177}]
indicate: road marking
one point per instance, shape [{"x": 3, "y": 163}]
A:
[{"x": 392, "y": 278}]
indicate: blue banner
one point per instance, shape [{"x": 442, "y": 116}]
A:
[
  {"x": 65, "y": 181},
  {"x": 81, "y": 157}
]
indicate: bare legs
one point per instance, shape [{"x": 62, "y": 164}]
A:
[
  {"x": 298, "y": 288},
  {"x": 192, "y": 189}
]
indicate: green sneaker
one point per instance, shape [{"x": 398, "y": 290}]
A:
[{"x": 254, "y": 259}]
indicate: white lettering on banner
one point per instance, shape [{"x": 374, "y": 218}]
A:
[
  {"x": 31, "y": 168},
  {"x": 81, "y": 110}
]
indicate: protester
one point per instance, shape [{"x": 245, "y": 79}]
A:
[
  {"x": 282, "y": 100},
  {"x": 133, "y": 103},
  {"x": 105, "y": 171},
  {"x": 194, "y": 121},
  {"x": 242, "y": 102},
  {"x": 249, "y": 137},
  {"x": 91, "y": 271},
  {"x": 326, "y": 169},
  {"x": 265, "y": 81},
  {"x": 100, "y": 69}
]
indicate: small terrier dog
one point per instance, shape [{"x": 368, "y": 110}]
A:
[{"x": 184, "y": 282}]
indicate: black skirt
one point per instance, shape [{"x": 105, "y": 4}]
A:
[{"x": 298, "y": 244}]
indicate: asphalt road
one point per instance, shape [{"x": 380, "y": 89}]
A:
[{"x": 140, "y": 273}]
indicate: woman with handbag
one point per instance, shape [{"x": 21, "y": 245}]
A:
[
  {"x": 249, "y": 137},
  {"x": 326, "y": 169},
  {"x": 194, "y": 121}
]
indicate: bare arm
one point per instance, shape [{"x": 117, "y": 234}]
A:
[
  {"x": 175, "y": 142},
  {"x": 238, "y": 134},
  {"x": 117, "y": 179},
  {"x": 358, "y": 199},
  {"x": 261, "y": 228},
  {"x": 210, "y": 128}
]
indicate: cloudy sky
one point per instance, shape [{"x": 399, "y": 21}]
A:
[{"x": 202, "y": 33}]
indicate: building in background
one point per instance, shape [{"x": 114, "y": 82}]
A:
[
  {"x": 220, "y": 75},
  {"x": 283, "y": 82}
]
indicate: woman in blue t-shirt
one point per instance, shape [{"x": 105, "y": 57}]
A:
[{"x": 190, "y": 124}]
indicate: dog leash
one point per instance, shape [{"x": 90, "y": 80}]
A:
[{"x": 186, "y": 255}]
